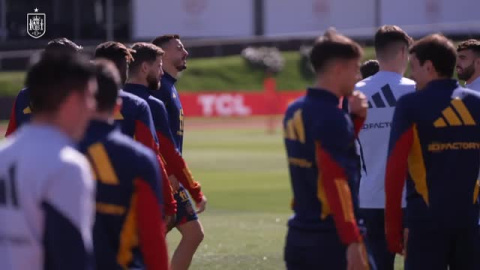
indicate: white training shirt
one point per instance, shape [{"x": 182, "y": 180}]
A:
[
  {"x": 382, "y": 90},
  {"x": 475, "y": 85},
  {"x": 41, "y": 173}
]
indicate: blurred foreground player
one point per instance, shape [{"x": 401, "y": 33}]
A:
[
  {"x": 135, "y": 117},
  {"x": 46, "y": 187},
  {"x": 435, "y": 148},
  {"x": 175, "y": 61},
  {"x": 129, "y": 231},
  {"x": 468, "y": 63},
  {"x": 21, "y": 110},
  {"x": 383, "y": 90},
  {"x": 319, "y": 138}
]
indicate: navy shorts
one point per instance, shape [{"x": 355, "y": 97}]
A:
[
  {"x": 185, "y": 210},
  {"x": 316, "y": 250}
]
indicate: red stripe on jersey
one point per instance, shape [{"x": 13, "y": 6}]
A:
[
  {"x": 169, "y": 201},
  {"x": 144, "y": 135},
  {"x": 338, "y": 195},
  {"x": 396, "y": 173},
  {"x": 176, "y": 165},
  {"x": 151, "y": 228},
  {"x": 12, "y": 124}
]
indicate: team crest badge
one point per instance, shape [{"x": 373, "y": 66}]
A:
[{"x": 36, "y": 24}]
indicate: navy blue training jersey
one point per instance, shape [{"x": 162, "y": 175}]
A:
[
  {"x": 320, "y": 142},
  {"x": 129, "y": 230},
  {"x": 169, "y": 96},
  {"x": 434, "y": 148}
]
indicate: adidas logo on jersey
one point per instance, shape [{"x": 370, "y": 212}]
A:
[
  {"x": 456, "y": 114},
  {"x": 378, "y": 100}
]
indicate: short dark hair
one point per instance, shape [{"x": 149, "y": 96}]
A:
[
  {"x": 144, "y": 52},
  {"x": 161, "y": 41},
  {"x": 55, "y": 77},
  {"x": 388, "y": 35},
  {"x": 114, "y": 51},
  {"x": 62, "y": 45},
  {"x": 471, "y": 44},
  {"x": 369, "y": 68},
  {"x": 109, "y": 83},
  {"x": 332, "y": 46},
  {"x": 439, "y": 50}
]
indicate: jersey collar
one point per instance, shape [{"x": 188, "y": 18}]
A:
[
  {"x": 137, "y": 89},
  {"x": 169, "y": 77}
]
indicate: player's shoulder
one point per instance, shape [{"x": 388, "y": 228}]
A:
[
  {"x": 126, "y": 145},
  {"x": 68, "y": 157},
  {"x": 294, "y": 106},
  {"x": 156, "y": 105},
  {"x": 129, "y": 98},
  {"x": 23, "y": 97},
  {"x": 412, "y": 99}
]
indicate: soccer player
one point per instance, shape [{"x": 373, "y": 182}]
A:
[
  {"x": 147, "y": 65},
  {"x": 435, "y": 137},
  {"x": 129, "y": 196},
  {"x": 383, "y": 90},
  {"x": 135, "y": 117},
  {"x": 175, "y": 61},
  {"x": 47, "y": 191},
  {"x": 21, "y": 110},
  {"x": 369, "y": 68},
  {"x": 319, "y": 138},
  {"x": 468, "y": 63}
]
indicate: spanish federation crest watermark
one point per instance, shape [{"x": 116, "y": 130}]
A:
[{"x": 36, "y": 24}]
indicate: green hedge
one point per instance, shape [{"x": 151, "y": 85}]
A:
[{"x": 212, "y": 74}]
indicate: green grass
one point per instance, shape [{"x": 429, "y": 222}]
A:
[
  {"x": 244, "y": 174},
  {"x": 212, "y": 74},
  {"x": 11, "y": 83}
]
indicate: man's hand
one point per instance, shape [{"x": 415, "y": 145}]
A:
[
  {"x": 174, "y": 183},
  {"x": 201, "y": 205},
  {"x": 357, "y": 257},
  {"x": 358, "y": 104}
]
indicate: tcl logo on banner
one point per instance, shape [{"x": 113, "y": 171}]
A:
[
  {"x": 223, "y": 105},
  {"x": 236, "y": 104}
]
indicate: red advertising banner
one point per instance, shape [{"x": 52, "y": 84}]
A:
[{"x": 237, "y": 103}]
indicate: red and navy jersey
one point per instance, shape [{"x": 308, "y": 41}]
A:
[
  {"x": 129, "y": 230},
  {"x": 173, "y": 160},
  {"x": 320, "y": 143},
  {"x": 21, "y": 112},
  {"x": 434, "y": 147},
  {"x": 169, "y": 96},
  {"x": 135, "y": 120}
]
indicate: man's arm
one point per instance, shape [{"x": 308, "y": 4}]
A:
[
  {"x": 175, "y": 164},
  {"x": 69, "y": 206},
  {"x": 145, "y": 133},
  {"x": 401, "y": 139},
  {"x": 331, "y": 148},
  {"x": 151, "y": 227}
]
